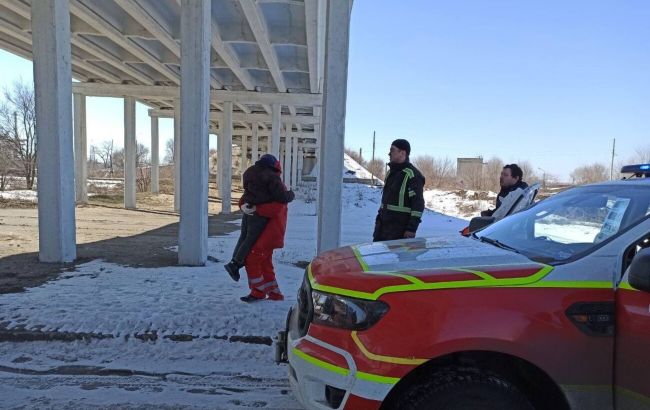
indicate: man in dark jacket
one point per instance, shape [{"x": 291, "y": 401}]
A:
[
  {"x": 262, "y": 185},
  {"x": 510, "y": 180},
  {"x": 402, "y": 200}
]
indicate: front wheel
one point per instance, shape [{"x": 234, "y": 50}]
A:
[{"x": 464, "y": 389}]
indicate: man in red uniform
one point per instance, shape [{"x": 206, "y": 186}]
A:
[{"x": 264, "y": 223}]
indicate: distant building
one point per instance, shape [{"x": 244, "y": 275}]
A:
[{"x": 469, "y": 166}]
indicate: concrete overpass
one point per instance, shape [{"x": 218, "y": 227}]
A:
[{"x": 270, "y": 73}]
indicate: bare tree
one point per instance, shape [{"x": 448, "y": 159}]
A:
[
  {"x": 641, "y": 155},
  {"x": 438, "y": 172},
  {"x": 6, "y": 161},
  {"x": 491, "y": 172},
  {"x": 17, "y": 127},
  {"x": 588, "y": 174},
  {"x": 169, "y": 151},
  {"x": 529, "y": 172},
  {"x": 142, "y": 156},
  {"x": 105, "y": 153},
  {"x": 377, "y": 168}
]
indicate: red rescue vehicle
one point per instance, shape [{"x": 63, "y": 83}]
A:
[{"x": 548, "y": 308}]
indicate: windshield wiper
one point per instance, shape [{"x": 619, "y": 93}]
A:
[{"x": 498, "y": 244}]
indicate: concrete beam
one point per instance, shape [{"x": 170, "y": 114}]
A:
[
  {"x": 333, "y": 125},
  {"x": 276, "y": 111},
  {"x": 155, "y": 161},
  {"x": 216, "y": 97},
  {"x": 255, "y": 148},
  {"x": 130, "y": 149},
  {"x": 225, "y": 153},
  {"x": 195, "y": 104},
  {"x": 52, "y": 74},
  {"x": 177, "y": 155},
  {"x": 242, "y": 117},
  {"x": 80, "y": 149}
]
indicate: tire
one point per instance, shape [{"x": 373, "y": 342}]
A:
[{"x": 463, "y": 389}]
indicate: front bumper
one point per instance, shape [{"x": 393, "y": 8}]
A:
[{"x": 325, "y": 377}]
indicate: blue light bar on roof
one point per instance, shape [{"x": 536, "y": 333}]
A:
[{"x": 636, "y": 169}]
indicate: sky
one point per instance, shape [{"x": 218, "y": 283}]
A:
[{"x": 552, "y": 82}]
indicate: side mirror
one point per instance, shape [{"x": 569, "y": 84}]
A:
[{"x": 640, "y": 270}]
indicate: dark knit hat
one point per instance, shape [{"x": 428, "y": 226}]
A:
[
  {"x": 270, "y": 161},
  {"x": 403, "y": 145}
]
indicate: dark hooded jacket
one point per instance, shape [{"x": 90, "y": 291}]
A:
[{"x": 262, "y": 184}]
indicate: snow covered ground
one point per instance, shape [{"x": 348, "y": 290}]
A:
[
  {"x": 175, "y": 337},
  {"x": 460, "y": 204},
  {"x": 20, "y": 194}
]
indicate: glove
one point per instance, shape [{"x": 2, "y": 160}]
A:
[
  {"x": 248, "y": 209},
  {"x": 290, "y": 195}
]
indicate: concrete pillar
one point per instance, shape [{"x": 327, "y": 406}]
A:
[
  {"x": 274, "y": 143},
  {"x": 80, "y": 149},
  {"x": 255, "y": 144},
  {"x": 294, "y": 163},
  {"x": 333, "y": 124},
  {"x": 225, "y": 182},
  {"x": 129, "y": 153},
  {"x": 53, "y": 89},
  {"x": 301, "y": 162},
  {"x": 196, "y": 24},
  {"x": 155, "y": 160},
  {"x": 244, "y": 157},
  {"x": 286, "y": 166},
  {"x": 177, "y": 155}
]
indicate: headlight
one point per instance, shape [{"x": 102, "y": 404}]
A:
[{"x": 346, "y": 313}]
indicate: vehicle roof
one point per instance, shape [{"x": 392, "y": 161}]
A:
[{"x": 645, "y": 182}]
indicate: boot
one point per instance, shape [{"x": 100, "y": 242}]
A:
[
  {"x": 275, "y": 296},
  {"x": 250, "y": 299},
  {"x": 233, "y": 270}
]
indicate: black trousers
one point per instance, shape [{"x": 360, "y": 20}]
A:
[{"x": 252, "y": 227}]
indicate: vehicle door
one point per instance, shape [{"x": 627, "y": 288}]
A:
[{"x": 632, "y": 355}]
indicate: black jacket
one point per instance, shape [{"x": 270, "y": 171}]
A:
[
  {"x": 262, "y": 184},
  {"x": 402, "y": 202}
]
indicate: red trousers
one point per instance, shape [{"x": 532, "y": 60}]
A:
[{"x": 261, "y": 276}]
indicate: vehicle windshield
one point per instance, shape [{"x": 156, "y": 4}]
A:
[{"x": 572, "y": 223}]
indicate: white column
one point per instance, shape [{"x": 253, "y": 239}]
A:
[
  {"x": 255, "y": 144},
  {"x": 244, "y": 157},
  {"x": 155, "y": 161},
  {"x": 294, "y": 163},
  {"x": 53, "y": 89},
  {"x": 80, "y": 149},
  {"x": 129, "y": 153},
  {"x": 301, "y": 162},
  {"x": 274, "y": 140},
  {"x": 177, "y": 155},
  {"x": 225, "y": 182},
  {"x": 286, "y": 167},
  {"x": 196, "y": 24},
  {"x": 333, "y": 125}
]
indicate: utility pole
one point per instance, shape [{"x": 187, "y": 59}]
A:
[{"x": 611, "y": 169}]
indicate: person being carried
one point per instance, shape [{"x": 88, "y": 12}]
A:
[
  {"x": 402, "y": 199},
  {"x": 510, "y": 181},
  {"x": 262, "y": 185}
]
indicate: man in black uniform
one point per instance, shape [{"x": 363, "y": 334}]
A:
[{"x": 402, "y": 201}]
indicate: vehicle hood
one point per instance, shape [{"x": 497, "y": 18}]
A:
[{"x": 370, "y": 270}]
